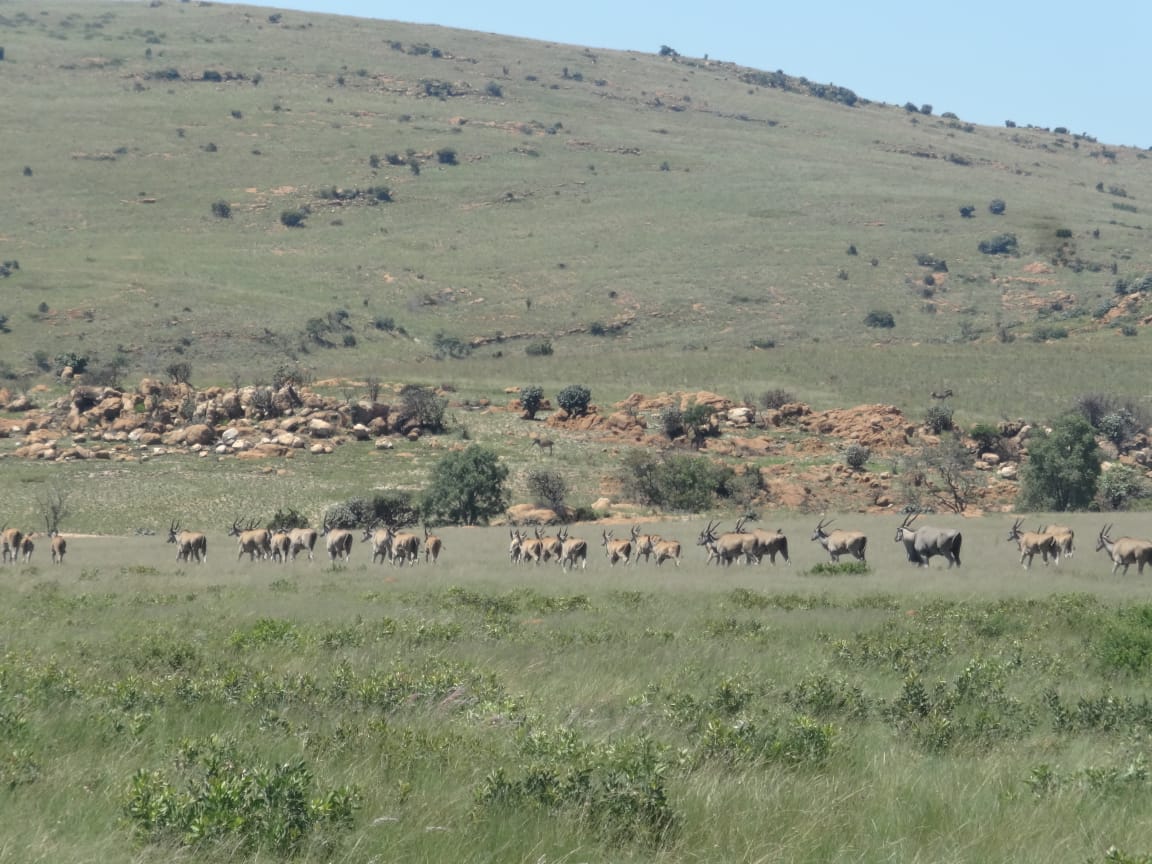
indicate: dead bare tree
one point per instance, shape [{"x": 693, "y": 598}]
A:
[{"x": 54, "y": 506}]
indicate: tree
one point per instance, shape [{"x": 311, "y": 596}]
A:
[
  {"x": 1120, "y": 485},
  {"x": 574, "y": 399},
  {"x": 466, "y": 488},
  {"x": 549, "y": 489},
  {"x": 531, "y": 398},
  {"x": 54, "y": 506},
  {"x": 943, "y": 475},
  {"x": 1063, "y": 467}
]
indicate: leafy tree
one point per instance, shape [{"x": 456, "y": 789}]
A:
[
  {"x": 467, "y": 487},
  {"x": 880, "y": 318},
  {"x": 424, "y": 406},
  {"x": 574, "y": 399},
  {"x": 997, "y": 207},
  {"x": 1063, "y": 467},
  {"x": 531, "y": 398},
  {"x": 1120, "y": 485},
  {"x": 1001, "y": 244},
  {"x": 687, "y": 483}
]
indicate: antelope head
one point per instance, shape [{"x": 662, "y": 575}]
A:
[
  {"x": 820, "y": 533},
  {"x": 906, "y": 525}
]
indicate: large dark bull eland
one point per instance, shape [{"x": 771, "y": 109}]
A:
[{"x": 924, "y": 543}]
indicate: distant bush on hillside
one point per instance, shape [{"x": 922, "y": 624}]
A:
[
  {"x": 222, "y": 209},
  {"x": 997, "y": 207},
  {"x": 574, "y": 399},
  {"x": 1001, "y": 244},
  {"x": 293, "y": 218},
  {"x": 880, "y": 318},
  {"x": 446, "y": 156},
  {"x": 776, "y": 398}
]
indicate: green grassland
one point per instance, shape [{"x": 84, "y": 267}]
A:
[
  {"x": 668, "y": 224},
  {"x": 677, "y": 198},
  {"x": 477, "y": 711}
]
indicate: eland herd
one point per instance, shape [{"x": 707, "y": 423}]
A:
[{"x": 391, "y": 544}]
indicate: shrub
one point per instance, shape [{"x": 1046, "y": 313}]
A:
[
  {"x": 494, "y": 90},
  {"x": 396, "y": 508},
  {"x": 224, "y": 796},
  {"x": 1062, "y": 468},
  {"x": 1119, "y": 486},
  {"x": 450, "y": 346},
  {"x": 180, "y": 372},
  {"x": 293, "y": 218},
  {"x": 1049, "y": 332},
  {"x": 548, "y": 489},
  {"x": 938, "y": 419},
  {"x": 987, "y": 437},
  {"x": 446, "y": 156},
  {"x": 880, "y": 318},
  {"x": 574, "y": 399},
  {"x": 856, "y": 455},
  {"x": 1118, "y": 426},
  {"x": 937, "y": 265},
  {"x": 968, "y": 211},
  {"x": 286, "y": 520},
  {"x": 531, "y": 398},
  {"x": 776, "y": 398},
  {"x": 997, "y": 207},
  {"x": 350, "y": 514},
  {"x": 1001, "y": 244},
  {"x": 422, "y": 406},
  {"x": 542, "y": 348},
  {"x": 1063, "y": 233},
  {"x": 672, "y": 421},
  {"x": 466, "y": 487},
  {"x": 685, "y": 483},
  {"x": 222, "y": 209}
]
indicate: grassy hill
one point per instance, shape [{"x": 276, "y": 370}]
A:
[{"x": 681, "y": 221}]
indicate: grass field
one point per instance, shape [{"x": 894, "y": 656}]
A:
[
  {"x": 476, "y": 711},
  {"x": 663, "y": 225}
]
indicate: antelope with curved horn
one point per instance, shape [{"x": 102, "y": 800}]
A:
[
  {"x": 838, "y": 543},
  {"x": 1032, "y": 543},
  {"x": 616, "y": 549},
  {"x": 727, "y": 547},
  {"x": 573, "y": 549},
  {"x": 190, "y": 545},
  {"x": 924, "y": 543},
  {"x": 27, "y": 547},
  {"x": 1124, "y": 551},
  {"x": 550, "y": 547},
  {"x": 644, "y": 544},
  {"x": 405, "y": 548},
  {"x": 280, "y": 542},
  {"x": 432, "y": 546},
  {"x": 251, "y": 541},
  {"x": 338, "y": 542}
]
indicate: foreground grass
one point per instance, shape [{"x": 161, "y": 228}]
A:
[{"x": 479, "y": 713}]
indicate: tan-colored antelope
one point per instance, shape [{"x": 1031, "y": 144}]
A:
[
  {"x": 616, "y": 550},
  {"x": 1033, "y": 543},
  {"x": 1065, "y": 538},
  {"x": 302, "y": 538},
  {"x": 405, "y": 547},
  {"x": 644, "y": 544},
  {"x": 515, "y": 546},
  {"x": 573, "y": 549},
  {"x": 530, "y": 550},
  {"x": 665, "y": 550},
  {"x": 770, "y": 544},
  {"x": 27, "y": 547},
  {"x": 59, "y": 547},
  {"x": 190, "y": 545},
  {"x": 543, "y": 444},
  {"x": 281, "y": 545},
  {"x": 727, "y": 547},
  {"x": 838, "y": 543},
  {"x": 550, "y": 547},
  {"x": 10, "y": 541},
  {"x": 433, "y": 546},
  {"x": 1125, "y": 551},
  {"x": 381, "y": 540},
  {"x": 338, "y": 541},
  {"x": 251, "y": 541}
]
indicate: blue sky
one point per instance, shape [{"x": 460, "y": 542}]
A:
[{"x": 1045, "y": 64}]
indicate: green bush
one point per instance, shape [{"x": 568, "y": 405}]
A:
[
  {"x": 938, "y": 419},
  {"x": 856, "y": 455},
  {"x": 222, "y": 209},
  {"x": 1063, "y": 467},
  {"x": 1048, "y": 332},
  {"x": 672, "y": 421},
  {"x": 997, "y": 207},
  {"x": 422, "y": 406},
  {"x": 531, "y": 397},
  {"x": 466, "y": 488},
  {"x": 548, "y": 489},
  {"x": 1001, "y": 244},
  {"x": 880, "y": 318},
  {"x": 446, "y": 156},
  {"x": 574, "y": 399},
  {"x": 776, "y": 398},
  {"x": 680, "y": 482},
  {"x": 293, "y": 218},
  {"x": 1119, "y": 486},
  {"x": 222, "y": 795},
  {"x": 543, "y": 348}
]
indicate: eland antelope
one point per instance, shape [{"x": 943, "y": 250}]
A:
[
  {"x": 1124, "y": 551},
  {"x": 190, "y": 545},
  {"x": 1032, "y": 543},
  {"x": 924, "y": 543},
  {"x": 837, "y": 542}
]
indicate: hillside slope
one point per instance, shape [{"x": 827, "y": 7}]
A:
[{"x": 466, "y": 194}]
